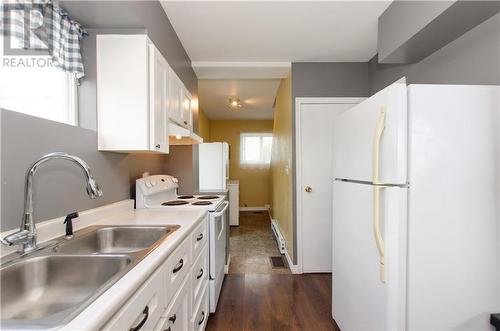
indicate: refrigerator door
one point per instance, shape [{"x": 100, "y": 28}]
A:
[
  {"x": 370, "y": 139},
  {"x": 366, "y": 296},
  {"x": 453, "y": 229},
  {"x": 212, "y": 158}
]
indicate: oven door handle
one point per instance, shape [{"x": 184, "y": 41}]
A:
[{"x": 220, "y": 213}]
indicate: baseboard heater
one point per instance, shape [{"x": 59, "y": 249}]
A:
[{"x": 280, "y": 240}]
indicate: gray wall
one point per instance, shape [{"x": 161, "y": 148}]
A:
[
  {"x": 59, "y": 185},
  {"x": 428, "y": 26},
  {"x": 474, "y": 58},
  {"x": 329, "y": 79}
]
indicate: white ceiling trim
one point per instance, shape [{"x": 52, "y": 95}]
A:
[{"x": 241, "y": 70}]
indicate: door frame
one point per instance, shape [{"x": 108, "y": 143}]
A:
[{"x": 298, "y": 160}]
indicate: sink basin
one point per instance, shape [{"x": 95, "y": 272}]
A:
[
  {"x": 46, "y": 290},
  {"x": 116, "y": 240},
  {"x": 55, "y": 283}
]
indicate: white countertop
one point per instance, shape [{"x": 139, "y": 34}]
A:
[{"x": 103, "y": 308}]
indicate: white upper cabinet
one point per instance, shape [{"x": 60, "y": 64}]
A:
[
  {"x": 187, "y": 108},
  {"x": 159, "y": 72},
  {"x": 132, "y": 95},
  {"x": 175, "y": 98},
  {"x": 180, "y": 102}
]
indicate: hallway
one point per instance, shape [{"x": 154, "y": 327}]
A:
[{"x": 252, "y": 243}]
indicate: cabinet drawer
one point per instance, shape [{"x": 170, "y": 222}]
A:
[
  {"x": 200, "y": 315},
  {"x": 176, "y": 268},
  {"x": 199, "y": 276},
  {"x": 177, "y": 314},
  {"x": 199, "y": 237},
  {"x": 144, "y": 308}
]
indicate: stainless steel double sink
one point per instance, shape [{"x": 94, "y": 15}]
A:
[{"x": 49, "y": 287}]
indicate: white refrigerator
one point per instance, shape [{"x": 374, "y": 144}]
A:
[
  {"x": 416, "y": 209},
  {"x": 213, "y": 165}
]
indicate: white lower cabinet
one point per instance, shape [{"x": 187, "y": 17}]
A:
[
  {"x": 200, "y": 315},
  {"x": 177, "y": 315},
  {"x": 175, "y": 296},
  {"x": 143, "y": 310}
]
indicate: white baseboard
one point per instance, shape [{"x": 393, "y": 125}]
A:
[
  {"x": 259, "y": 208},
  {"x": 294, "y": 269}
]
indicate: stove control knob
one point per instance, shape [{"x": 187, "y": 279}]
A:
[
  {"x": 153, "y": 182},
  {"x": 148, "y": 183}
]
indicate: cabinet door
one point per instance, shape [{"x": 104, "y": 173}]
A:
[
  {"x": 177, "y": 315},
  {"x": 144, "y": 309},
  {"x": 175, "y": 98},
  {"x": 187, "y": 117},
  {"x": 158, "y": 124}
]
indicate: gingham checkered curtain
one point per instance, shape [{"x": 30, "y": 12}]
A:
[{"x": 55, "y": 32}]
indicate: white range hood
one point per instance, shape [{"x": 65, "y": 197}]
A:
[{"x": 180, "y": 135}]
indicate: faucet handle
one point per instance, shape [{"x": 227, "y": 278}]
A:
[{"x": 69, "y": 223}]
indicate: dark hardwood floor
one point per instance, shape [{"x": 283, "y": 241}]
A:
[{"x": 274, "y": 302}]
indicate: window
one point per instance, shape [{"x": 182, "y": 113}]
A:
[
  {"x": 31, "y": 85},
  {"x": 255, "y": 149}
]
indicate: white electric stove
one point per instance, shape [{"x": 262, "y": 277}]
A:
[{"x": 160, "y": 191}]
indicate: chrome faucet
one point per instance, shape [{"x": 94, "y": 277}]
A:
[{"x": 26, "y": 236}]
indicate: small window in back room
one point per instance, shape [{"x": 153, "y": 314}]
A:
[{"x": 255, "y": 149}]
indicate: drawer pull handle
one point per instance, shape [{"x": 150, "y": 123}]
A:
[
  {"x": 199, "y": 237},
  {"x": 200, "y": 274},
  {"x": 172, "y": 318},
  {"x": 178, "y": 266},
  {"x": 202, "y": 318},
  {"x": 141, "y": 323}
]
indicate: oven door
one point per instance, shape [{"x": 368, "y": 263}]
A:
[{"x": 217, "y": 238}]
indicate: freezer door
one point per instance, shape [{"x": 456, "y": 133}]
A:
[
  {"x": 362, "y": 299},
  {"x": 453, "y": 248},
  {"x": 370, "y": 139}
]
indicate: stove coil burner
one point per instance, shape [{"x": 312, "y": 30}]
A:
[
  {"x": 175, "y": 203},
  {"x": 208, "y": 197},
  {"x": 201, "y": 203},
  {"x": 185, "y": 197}
]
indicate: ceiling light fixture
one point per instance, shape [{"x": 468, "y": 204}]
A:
[{"x": 235, "y": 103}]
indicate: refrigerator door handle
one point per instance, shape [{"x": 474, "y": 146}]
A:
[
  {"x": 376, "y": 145},
  {"x": 376, "y": 192},
  {"x": 376, "y": 229}
]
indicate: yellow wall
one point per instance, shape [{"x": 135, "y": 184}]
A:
[
  {"x": 255, "y": 184},
  {"x": 281, "y": 163},
  {"x": 203, "y": 125}
]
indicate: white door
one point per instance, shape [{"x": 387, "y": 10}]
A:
[
  {"x": 315, "y": 143},
  {"x": 374, "y": 133},
  {"x": 158, "y": 129},
  {"x": 367, "y": 296}
]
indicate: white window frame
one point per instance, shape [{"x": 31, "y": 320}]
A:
[{"x": 260, "y": 163}]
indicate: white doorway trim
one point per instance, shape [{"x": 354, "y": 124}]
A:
[{"x": 298, "y": 160}]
